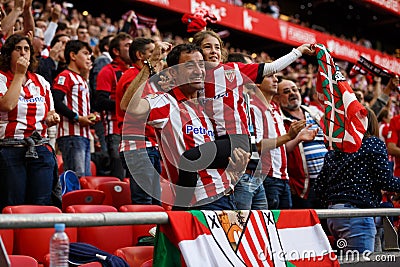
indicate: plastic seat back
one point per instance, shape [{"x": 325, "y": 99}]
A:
[
  {"x": 135, "y": 256},
  {"x": 117, "y": 193},
  {"x": 35, "y": 242},
  {"x": 167, "y": 194},
  {"x": 22, "y": 261},
  {"x": 82, "y": 197},
  {"x": 107, "y": 238},
  {"x": 141, "y": 230},
  {"x": 7, "y": 235},
  {"x": 93, "y": 168},
  {"x": 60, "y": 163},
  {"x": 91, "y": 182}
]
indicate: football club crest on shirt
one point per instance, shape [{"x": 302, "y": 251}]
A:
[
  {"x": 230, "y": 75},
  {"x": 61, "y": 80}
]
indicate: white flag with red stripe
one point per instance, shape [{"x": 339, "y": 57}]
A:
[{"x": 243, "y": 238}]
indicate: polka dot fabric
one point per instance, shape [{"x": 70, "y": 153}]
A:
[{"x": 357, "y": 178}]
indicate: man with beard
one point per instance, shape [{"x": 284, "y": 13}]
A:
[{"x": 307, "y": 158}]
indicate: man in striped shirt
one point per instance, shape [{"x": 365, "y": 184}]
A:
[
  {"x": 72, "y": 101},
  {"x": 273, "y": 141},
  {"x": 181, "y": 124},
  {"x": 306, "y": 159},
  {"x": 138, "y": 149}
]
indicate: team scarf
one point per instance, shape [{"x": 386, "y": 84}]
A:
[
  {"x": 366, "y": 67},
  {"x": 243, "y": 238},
  {"x": 345, "y": 121}
]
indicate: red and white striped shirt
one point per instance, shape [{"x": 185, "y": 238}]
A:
[
  {"x": 77, "y": 99},
  {"x": 223, "y": 96},
  {"x": 128, "y": 125},
  {"x": 268, "y": 123},
  {"x": 180, "y": 125},
  {"x": 34, "y": 102},
  {"x": 107, "y": 81}
]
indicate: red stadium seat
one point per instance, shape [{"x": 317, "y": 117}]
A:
[
  {"x": 117, "y": 193},
  {"x": 7, "y": 235},
  {"x": 34, "y": 242},
  {"x": 107, "y": 238},
  {"x": 167, "y": 194},
  {"x": 60, "y": 163},
  {"x": 22, "y": 261},
  {"x": 82, "y": 197},
  {"x": 135, "y": 256},
  {"x": 141, "y": 230},
  {"x": 91, "y": 182},
  {"x": 93, "y": 168}
]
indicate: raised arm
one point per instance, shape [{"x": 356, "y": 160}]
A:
[
  {"x": 132, "y": 101},
  {"x": 282, "y": 62}
]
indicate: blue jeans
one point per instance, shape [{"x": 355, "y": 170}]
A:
[
  {"x": 222, "y": 203},
  {"x": 250, "y": 194},
  {"x": 75, "y": 152},
  {"x": 358, "y": 232},
  {"x": 116, "y": 168},
  {"x": 26, "y": 180},
  {"x": 278, "y": 193},
  {"x": 143, "y": 167}
]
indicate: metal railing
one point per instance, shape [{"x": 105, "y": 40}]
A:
[{"x": 47, "y": 220}]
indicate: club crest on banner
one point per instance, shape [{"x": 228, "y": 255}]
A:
[{"x": 230, "y": 75}]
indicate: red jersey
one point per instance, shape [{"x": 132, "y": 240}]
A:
[
  {"x": 223, "y": 96},
  {"x": 393, "y": 137},
  {"x": 268, "y": 123},
  {"x": 77, "y": 99},
  {"x": 128, "y": 125},
  {"x": 107, "y": 80},
  {"x": 180, "y": 125},
  {"x": 34, "y": 102}
]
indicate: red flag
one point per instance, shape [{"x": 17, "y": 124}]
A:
[{"x": 345, "y": 120}]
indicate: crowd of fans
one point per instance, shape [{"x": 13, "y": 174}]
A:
[{"x": 94, "y": 66}]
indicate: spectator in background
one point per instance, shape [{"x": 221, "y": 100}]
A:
[
  {"x": 52, "y": 65},
  {"x": 139, "y": 149},
  {"x": 13, "y": 22},
  {"x": 83, "y": 34},
  {"x": 98, "y": 64},
  {"x": 50, "y": 31},
  {"x": 105, "y": 97},
  {"x": 355, "y": 181},
  {"x": 273, "y": 141},
  {"x": 26, "y": 108},
  {"x": 384, "y": 118},
  {"x": 273, "y": 9},
  {"x": 72, "y": 101},
  {"x": 38, "y": 43}
]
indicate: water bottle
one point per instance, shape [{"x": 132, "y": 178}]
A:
[{"x": 59, "y": 247}]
